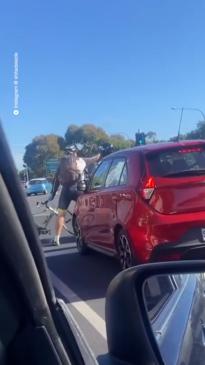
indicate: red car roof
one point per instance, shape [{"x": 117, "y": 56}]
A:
[
  {"x": 166, "y": 145},
  {"x": 160, "y": 146}
]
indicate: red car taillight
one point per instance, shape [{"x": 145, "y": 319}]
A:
[{"x": 148, "y": 187}]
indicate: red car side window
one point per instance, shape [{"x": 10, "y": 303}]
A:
[
  {"x": 115, "y": 172},
  {"x": 100, "y": 175}
]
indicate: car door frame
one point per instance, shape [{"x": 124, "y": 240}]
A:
[
  {"x": 108, "y": 199},
  {"x": 86, "y": 207}
]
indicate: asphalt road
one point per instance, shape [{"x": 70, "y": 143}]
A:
[{"x": 81, "y": 281}]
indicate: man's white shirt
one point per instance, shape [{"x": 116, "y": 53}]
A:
[{"x": 81, "y": 164}]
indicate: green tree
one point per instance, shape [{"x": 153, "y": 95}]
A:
[
  {"x": 86, "y": 135},
  {"x": 151, "y": 137},
  {"x": 40, "y": 150},
  {"x": 119, "y": 142},
  {"x": 198, "y": 133},
  {"x": 72, "y": 135},
  {"x": 94, "y": 137}
]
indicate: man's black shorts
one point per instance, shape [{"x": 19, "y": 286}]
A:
[{"x": 68, "y": 193}]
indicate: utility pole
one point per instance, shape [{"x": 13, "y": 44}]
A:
[{"x": 26, "y": 171}]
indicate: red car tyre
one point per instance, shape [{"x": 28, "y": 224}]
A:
[
  {"x": 125, "y": 252},
  {"x": 81, "y": 245}
]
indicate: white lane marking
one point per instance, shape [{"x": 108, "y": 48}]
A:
[
  {"x": 80, "y": 337},
  {"x": 82, "y": 307},
  {"x": 62, "y": 247},
  {"x": 60, "y": 252},
  {"x": 65, "y": 249}
]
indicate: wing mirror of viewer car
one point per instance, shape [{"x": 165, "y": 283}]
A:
[{"x": 155, "y": 314}]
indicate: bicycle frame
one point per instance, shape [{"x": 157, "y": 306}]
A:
[{"x": 53, "y": 212}]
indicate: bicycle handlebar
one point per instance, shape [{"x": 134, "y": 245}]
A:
[{"x": 107, "y": 148}]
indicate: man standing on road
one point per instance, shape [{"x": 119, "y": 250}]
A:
[{"x": 70, "y": 170}]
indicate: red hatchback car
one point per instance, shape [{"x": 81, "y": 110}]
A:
[{"x": 145, "y": 203}]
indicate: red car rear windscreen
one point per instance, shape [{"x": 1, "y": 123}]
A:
[{"x": 177, "y": 162}]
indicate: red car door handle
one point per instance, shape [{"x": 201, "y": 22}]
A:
[{"x": 125, "y": 196}]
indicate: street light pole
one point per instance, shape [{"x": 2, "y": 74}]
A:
[
  {"x": 180, "y": 123},
  {"x": 181, "y": 116},
  {"x": 198, "y": 110}
]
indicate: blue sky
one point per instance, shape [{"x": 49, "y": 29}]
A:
[{"x": 118, "y": 64}]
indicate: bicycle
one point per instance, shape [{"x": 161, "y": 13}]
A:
[{"x": 43, "y": 229}]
